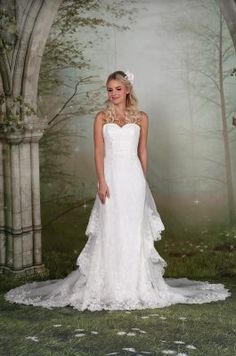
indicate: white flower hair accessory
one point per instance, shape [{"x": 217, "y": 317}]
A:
[{"x": 129, "y": 76}]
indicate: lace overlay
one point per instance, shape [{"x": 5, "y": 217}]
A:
[
  {"x": 137, "y": 118},
  {"x": 119, "y": 267}
]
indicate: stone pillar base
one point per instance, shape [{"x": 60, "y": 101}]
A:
[
  {"x": 27, "y": 272},
  {"x": 20, "y": 217}
]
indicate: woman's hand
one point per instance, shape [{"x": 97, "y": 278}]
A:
[{"x": 103, "y": 191}]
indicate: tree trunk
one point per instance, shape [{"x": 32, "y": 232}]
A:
[
  {"x": 228, "y": 172},
  {"x": 228, "y": 9}
]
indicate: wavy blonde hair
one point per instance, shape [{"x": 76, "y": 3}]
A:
[{"x": 132, "y": 110}]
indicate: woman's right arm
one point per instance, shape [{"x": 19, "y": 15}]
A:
[{"x": 99, "y": 157}]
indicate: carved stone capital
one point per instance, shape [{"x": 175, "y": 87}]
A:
[{"x": 32, "y": 131}]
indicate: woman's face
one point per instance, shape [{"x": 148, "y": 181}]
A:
[{"x": 116, "y": 92}]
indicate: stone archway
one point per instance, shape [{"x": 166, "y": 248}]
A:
[{"x": 20, "y": 218}]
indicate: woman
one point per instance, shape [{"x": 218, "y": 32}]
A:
[{"x": 119, "y": 268}]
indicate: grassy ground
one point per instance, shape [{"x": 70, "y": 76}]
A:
[{"x": 207, "y": 329}]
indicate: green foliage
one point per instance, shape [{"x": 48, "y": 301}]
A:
[
  {"x": 64, "y": 50},
  {"x": 67, "y": 75},
  {"x": 8, "y": 32},
  {"x": 16, "y": 110},
  {"x": 82, "y": 13}
]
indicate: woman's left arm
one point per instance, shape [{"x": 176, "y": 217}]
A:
[{"x": 142, "y": 145}]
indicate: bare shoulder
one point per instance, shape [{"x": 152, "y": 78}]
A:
[
  {"x": 99, "y": 119},
  {"x": 144, "y": 120}
]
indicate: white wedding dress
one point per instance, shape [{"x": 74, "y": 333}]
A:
[{"x": 119, "y": 267}]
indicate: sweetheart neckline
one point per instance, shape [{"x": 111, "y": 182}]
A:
[{"x": 121, "y": 127}]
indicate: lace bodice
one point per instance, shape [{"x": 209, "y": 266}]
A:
[
  {"x": 121, "y": 141},
  {"x": 137, "y": 120}
]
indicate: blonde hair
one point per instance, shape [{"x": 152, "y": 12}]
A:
[{"x": 132, "y": 111}]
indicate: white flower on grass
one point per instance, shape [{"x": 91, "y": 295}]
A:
[
  {"x": 182, "y": 354},
  {"x": 130, "y": 349},
  {"x": 191, "y": 347},
  {"x": 121, "y": 333},
  {"x": 163, "y": 341},
  {"x": 144, "y": 317},
  {"x": 131, "y": 334},
  {"x": 112, "y": 353},
  {"x": 135, "y": 329},
  {"x": 94, "y": 332},
  {"x": 128, "y": 312},
  {"x": 79, "y": 335},
  {"x": 57, "y": 325},
  {"x": 142, "y": 331},
  {"x": 79, "y": 329},
  {"x": 33, "y": 338},
  {"x": 168, "y": 352},
  {"x": 179, "y": 342},
  {"x": 182, "y": 318},
  {"x": 162, "y": 317}
]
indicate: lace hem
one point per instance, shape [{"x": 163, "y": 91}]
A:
[{"x": 195, "y": 293}]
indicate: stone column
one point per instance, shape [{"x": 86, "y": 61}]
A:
[
  {"x": 2, "y": 210},
  {"x": 26, "y": 202},
  {"x": 16, "y": 231},
  {"x": 36, "y": 200},
  {"x": 20, "y": 218},
  {"x": 22, "y": 48}
]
